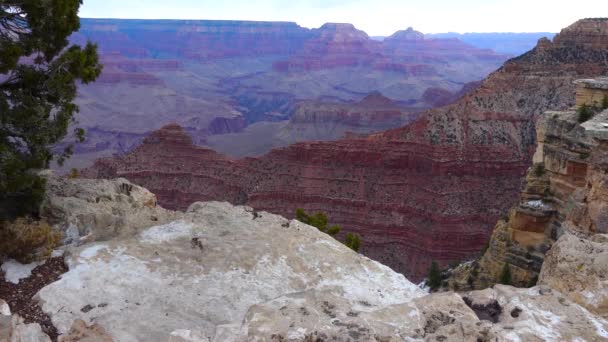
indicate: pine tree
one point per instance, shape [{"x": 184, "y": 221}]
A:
[{"x": 39, "y": 72}]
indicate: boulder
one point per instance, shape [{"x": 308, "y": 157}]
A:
[
  {"x": 91, "y": 210},
  {"x": 578, "y": 267},
  {"x": 205, "y": 271},
  {"x": 81, "y": 332}
]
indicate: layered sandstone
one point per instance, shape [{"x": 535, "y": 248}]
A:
[
  {"x": 430, "y": 191},
  {"x": 565, "y": 193}
]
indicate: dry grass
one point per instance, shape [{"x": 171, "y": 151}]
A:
[{"x": 27, "y": 240}]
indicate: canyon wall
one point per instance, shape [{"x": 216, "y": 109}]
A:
[
  {"x": 565, "y": 193},
  {"x": 432, "y": 190}
]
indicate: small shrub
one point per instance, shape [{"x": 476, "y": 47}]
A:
[
  {"x": 73, "y": 173},
  {"x": 26, "y": 240},
  {"x": 353, "y": 241},
  {"x": 605, "y": 102},
  {"x": 505, "y": 275},
  {"x": 485, "y": 247},
  {"x": 585, "y": 113},
  {"x": 539, "y": 169},
  {"x": 434, "y": 276},
  {"x": 533, "y": 281},
  {"x": 320, "y": 221}
]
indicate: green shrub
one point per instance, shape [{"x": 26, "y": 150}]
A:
[
  {"x": 353, "y": 241},
  {"x": 605, "y": 102},
  {"x": 585, "y": 113},
  {"x": 27, "y": 240},
  {"x": 539, "y": 169},
  {"x": 320, "y": 221},
  {"x": 505, "y": 275},
  {"x": 434, "y": 276}
]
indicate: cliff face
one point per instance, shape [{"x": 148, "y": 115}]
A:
[
  {"x": 565, "y": 193},
  {"x": 430, "y": 191}
]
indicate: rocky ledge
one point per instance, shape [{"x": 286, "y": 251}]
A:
[{"x": 219, "y": 272}]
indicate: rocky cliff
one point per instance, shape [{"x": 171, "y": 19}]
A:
[
  {"x": 565, "y": 193},
  {"x": 430, "y": 191},
  {"x": 137, "y": 272}
]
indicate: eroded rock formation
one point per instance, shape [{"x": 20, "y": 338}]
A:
[
  {"x": 565, "y": 193},
  {"x": 432, "y": 190}
]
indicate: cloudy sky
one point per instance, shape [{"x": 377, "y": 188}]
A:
[{"x": 376, "y": 17}]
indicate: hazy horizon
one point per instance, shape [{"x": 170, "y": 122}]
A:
[
  {"x": 377, "y": 18},
  {"x": 329, "y": 22}
]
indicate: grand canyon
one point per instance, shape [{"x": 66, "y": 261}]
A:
[
  {"x": 235, "y": 86},
  {"x": 241, "y": 181},
  {"x": 431, "y": 190}
]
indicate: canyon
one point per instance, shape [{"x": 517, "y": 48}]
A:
[
  {"x": 227, "y": 81},
  {"x": 431, "y": 190}
]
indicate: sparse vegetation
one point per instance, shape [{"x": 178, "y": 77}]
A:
[
  {"x": 539, "y": 169},
  {"x": 353, "y": 241},
  {"x": 533, "y": 281},
  {"x": 505, "y": 275},
  {"x": 605, "y": 102},
  {"x": 585, "y": 113},
  {"x": 27, "y": 240},
  {"x": 434, "y": 277},
  {"x": 320, "y": 221},
  {"x": 485, "y": 248},
  {"x": 73, "y": 174}
]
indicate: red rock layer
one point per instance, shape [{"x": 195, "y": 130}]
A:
[{"x": 430, "y": 191}]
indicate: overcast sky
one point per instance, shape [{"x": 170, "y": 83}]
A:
[{"x": 376, "y": 17}]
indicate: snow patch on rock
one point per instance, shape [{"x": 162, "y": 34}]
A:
[{"x": 15, "y": 271}]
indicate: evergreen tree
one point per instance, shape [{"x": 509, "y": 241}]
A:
[
  {"x": 434, "y": 276},
  {"x": 505, "y": 275},
  {"x": 38, "y": 76}
]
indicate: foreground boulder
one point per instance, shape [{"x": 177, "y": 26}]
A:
[{"x": 578, "y": 267}]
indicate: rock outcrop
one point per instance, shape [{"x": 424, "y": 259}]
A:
[
  {"x": 223, "y": 273},
  {"x": 430, "y": 191},
  {"x": 565, "y": 193}
]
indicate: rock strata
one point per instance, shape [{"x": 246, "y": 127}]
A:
[
  {"x": 432, "y": 190},
  {"x": 564, "y": 196}
]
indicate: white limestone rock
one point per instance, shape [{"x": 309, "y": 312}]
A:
[
  {"x": 578, "y": 267},
  {"x": 205, "y": 272},
  {"x": 91, "y": 210}
]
